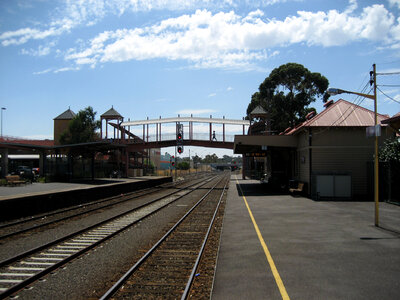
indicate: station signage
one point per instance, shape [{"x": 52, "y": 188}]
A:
[{"x": 256, "y": 154}]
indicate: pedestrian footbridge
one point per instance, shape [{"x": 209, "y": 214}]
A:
[{"x": 159, "y": 133}]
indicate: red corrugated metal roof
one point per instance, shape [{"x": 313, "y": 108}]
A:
[{"x": 342, "y": 114}]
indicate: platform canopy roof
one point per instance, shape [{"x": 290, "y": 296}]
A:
[
  {"x": 24, "y": 147},
  {"x": 259, "y": 143}
]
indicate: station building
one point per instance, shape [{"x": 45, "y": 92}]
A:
[{"x": 330, "y": 152}]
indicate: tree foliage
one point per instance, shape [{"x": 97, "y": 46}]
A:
[
  {"x": 82, "y": 128},
  {"x": 287, "y": 93},
  {"x": 390, "y": 151},
  {"x": 213, "y": 158},
  {"x": 184, "y": 165}
]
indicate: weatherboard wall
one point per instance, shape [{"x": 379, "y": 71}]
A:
[{"x": 344, "y": 150}]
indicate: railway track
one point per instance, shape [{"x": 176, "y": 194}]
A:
[
  {"x": 14, "y": 228},
  {"x": 169, "y": 268},
  {"x": 25, "y": 268}
]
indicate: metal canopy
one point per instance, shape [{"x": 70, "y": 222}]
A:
[
  {"x": 187, "y": 119},
  {"x": 93, "y": 146},
  {"x": 255, "y": 143}
]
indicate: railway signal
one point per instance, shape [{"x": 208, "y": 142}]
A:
[
  {"x": 172, "y": 161},
  {"x": 180, "y": 149},
  {"x": 179, "y": 134}
]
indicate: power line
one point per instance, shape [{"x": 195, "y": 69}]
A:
[
  {"x": 388, "y": 96},
  {"x": 389, "y": 62},
  {"x": 359, "y": 99},
  {"x": 390, "y": 73},
  {"x": 390, "y": 85},
  {"x": 354, "y": 108}
]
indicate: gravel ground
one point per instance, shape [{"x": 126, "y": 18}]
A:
[
  {"x": 202, "y": 285},
  {"x": 10, "y": 246},
  {"x": 18, "y": 244},
  {"x": 101, "y": 266}
]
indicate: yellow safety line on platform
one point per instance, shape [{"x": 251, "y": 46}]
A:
[{"x": 274, "y": 270}]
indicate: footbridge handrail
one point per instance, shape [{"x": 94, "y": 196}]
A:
[{"x": 187, "y": 119}]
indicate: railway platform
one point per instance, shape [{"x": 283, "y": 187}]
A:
[
  {"x": 276, "y": 246},
  {"x": 21, "y": 200}
]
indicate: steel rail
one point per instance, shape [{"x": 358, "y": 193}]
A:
[
  {"x": 60, "y": 211},
  {"x": 28, "y": 252},
  {"x": 194, "y": 269},
  {"x": 56, "y": 265},
  {"x": 135, "y": 194},
  {"x": 123, "y": 279},
  {"x": 131, "y": 197},
  {"x": 7, "y": 235}
]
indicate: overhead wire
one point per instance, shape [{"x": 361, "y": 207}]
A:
[
  {"x": 389, "y": 62},
  {"x": 388, "y": 96},
  {"x": 388, "y": 73},
  {"x": 357, "y": 101}
]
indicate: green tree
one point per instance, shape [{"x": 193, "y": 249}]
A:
[
  {"x": 82, "y": 128},
  {"x": 213, "y": 158},
  {"x": 227, "y": 159},
  {"x": 390, "y": 151},
  {"x": 196, "y": 159},
  {"x": 287, "y": 93},
  {"x": 184, "y": 165}
]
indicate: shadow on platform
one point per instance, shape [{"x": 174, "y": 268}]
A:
[{"x": 258, "y": 189}]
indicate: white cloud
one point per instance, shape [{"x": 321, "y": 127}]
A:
[
  {"x": 40, "y": 51},
  {"x": 42, "y": 72},
  {"x": 66, "y": 69},
  {"x": 21, "y": 36},
  {"x": 209, "y": 40},
  {"x": 229, "y": 88},
  {"x": 75, "y": 13},
  {"x": 395, "y": 3},
  {"x": 212, "y": 95},
  {"x": 226, "y": 40},
  {"x": 352, "y": 6}
]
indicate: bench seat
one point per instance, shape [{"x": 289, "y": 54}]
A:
[
  {"x": 14, "y": 179},
  {"x": 299, "y": 188}
]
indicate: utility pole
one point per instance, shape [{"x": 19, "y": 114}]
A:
[
  {"x": 376, "y": 158},
  {"x": 372, "y": 82}
]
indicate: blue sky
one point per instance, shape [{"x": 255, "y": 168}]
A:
[{"x": 169, "y": 57}]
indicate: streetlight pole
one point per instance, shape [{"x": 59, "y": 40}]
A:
[
  {"x": 3, "y": 108},
  {"x": 334, "y": 91}
]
